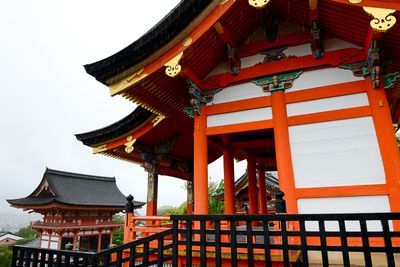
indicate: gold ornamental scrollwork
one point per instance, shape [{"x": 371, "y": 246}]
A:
[
  {"x": 129, "y": 145},
  {"x": 258, "y": 3},
  {"x": 173, "y": 67},
  {"x": 383, "y": 19},
  {"x": 157, "y": 120},
  {"x": 99, "y": 149}
]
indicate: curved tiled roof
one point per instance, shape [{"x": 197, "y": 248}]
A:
[
  {"x": 130, "y": 122},
  {"x": 75, "y": 189},
  {"x": 162, "y": 33}
]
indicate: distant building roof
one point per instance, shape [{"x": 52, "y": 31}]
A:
[
  {"x": 8, "y": 235},
  {"x": 74, "y": 189}
]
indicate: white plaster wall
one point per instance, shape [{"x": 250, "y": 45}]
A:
[
  {"x": 53, "y": 245},
  {"x": 44, "y": 244},
  {"x": 322, "y": 77},
  {"x": 328, "y": 104},
  {"x": 336, "y": 153},
  {"x": 238, "y": 92},
  {"x": 239, "y": 117},
  {"x": 358, "y": 204}
]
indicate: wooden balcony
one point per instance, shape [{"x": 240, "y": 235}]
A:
[{"x": 245, "y": 240}]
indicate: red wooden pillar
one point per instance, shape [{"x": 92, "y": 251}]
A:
[
  {"x": 282, "y": 148},
  {"x": 262, "y": 188},
  {"x": 99, "y": 242},
  {"x": 251, "y": 172},
  {"x": 200, "y": 178},
  {"x": 229, "y": 180}
]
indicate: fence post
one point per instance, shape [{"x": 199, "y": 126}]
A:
[{"x": 129, "y": 207}]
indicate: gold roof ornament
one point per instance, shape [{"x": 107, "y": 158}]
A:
[
  {"x": 129, "y": 145},
  {"x": 258, "y": 3},
  {"x": 173, "y": 67},
  {"x": 383, "y": 19},
  {"x": 100, "y": 149}
]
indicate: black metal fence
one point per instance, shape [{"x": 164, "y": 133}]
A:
[
  {"x": 326, "y": 239},
  {"x": 154, "y": 250},
  {"x": 214, "y": 240}
]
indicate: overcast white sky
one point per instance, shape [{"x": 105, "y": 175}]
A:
[{"x": 46, "y": 96}]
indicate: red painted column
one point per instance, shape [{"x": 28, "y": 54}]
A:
[
  {"x": 229, "y": 178},
  {"x": 262, "y": 189},
  {"x": 387, "y": 142},
  {"x": 74, "y": 241},
  {"x": 99, "y": 242},
  {"x": 200, "y": 163},
  {"x": 283, "y": 153},
  {"x": 251, "y": 172}
]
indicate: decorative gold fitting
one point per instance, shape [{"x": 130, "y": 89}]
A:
[
  {"x": 395, "y": 127},
  {"x": 188, "y": 40},
  {"x": 157, "y": 120},
  {"x": 129, "y": 81},
  {"x": 258, "y": 3},
  {"x": 355, "y": 1},
  {"x": 129, "y": 145},
  {"x": 383, "y": 19},
  {"x": 99, "y": 149},
  {"x": 173, "y": 67}
]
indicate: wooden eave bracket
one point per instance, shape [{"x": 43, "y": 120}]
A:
[{"x": 231, "y": 47}]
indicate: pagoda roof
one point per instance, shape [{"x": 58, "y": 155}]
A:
[
  {"x": 74, "y": 189},
  {"x": 117, "y": 129},
  {"x": 190, "y": 33},
  {"x": 161, "y": 34}
]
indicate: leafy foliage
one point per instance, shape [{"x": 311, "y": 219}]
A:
[
  {"x": 5, "y": 257},
  {"x": 118, "y": 237},
  {"x": 27, "y": 234},
  {"x": 215, "y": 206}
]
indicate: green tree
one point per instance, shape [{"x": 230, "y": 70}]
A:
[
  {"x": 27, "y": 234},
  {"x": 5, "y": 257},
  {"x": 215, "y": 206}
]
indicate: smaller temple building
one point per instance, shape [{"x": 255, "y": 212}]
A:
[
  {"x": 76, "y": 208},
  {"x": 8, "y": 239}
]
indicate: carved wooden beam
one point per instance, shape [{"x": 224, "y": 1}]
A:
[
  {"x": 231, "y": 47},
  {"x": 330, "y": 59},
  {"x": 316, "y": 42}
]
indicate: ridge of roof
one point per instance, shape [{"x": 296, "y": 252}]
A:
[
  {"x": 154, "y": 39},
  {"x": 138, "y": 116},
  {"x": 79, "y": 175}
]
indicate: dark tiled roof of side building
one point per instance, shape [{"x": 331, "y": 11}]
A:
[{"x": 75, "y": 189}]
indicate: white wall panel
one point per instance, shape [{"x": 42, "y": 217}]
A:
[
  {"x": 336, "y": 153},
  {"x": 238, "y": 92},
  {"x": 322, "y": 77},
  {"x": 53, "y": 245},
  {"x": 239, "y": 117},
  {"x": 44, "y": 244},
  {"x": 359, "y": 204},
  {"x": 327, "y": 104}
]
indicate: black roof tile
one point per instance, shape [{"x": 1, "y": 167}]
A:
[{"x": 75, "y": 189}]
